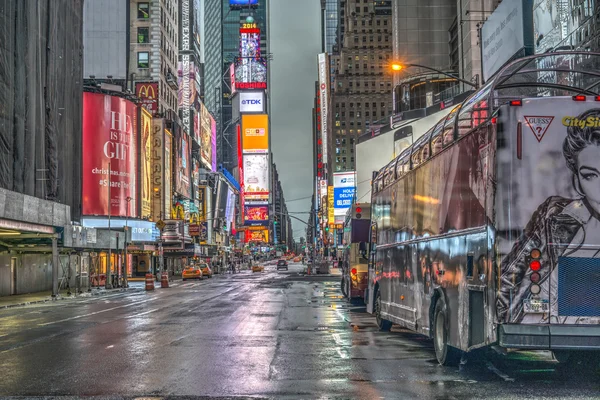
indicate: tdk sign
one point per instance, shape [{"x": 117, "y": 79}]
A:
[{"x": 252, "y": 102}]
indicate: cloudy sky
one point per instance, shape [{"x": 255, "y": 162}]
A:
[{"x": 295, "y": 43}]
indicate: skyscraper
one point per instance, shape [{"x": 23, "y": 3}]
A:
[{"x": 362, "y": 84}]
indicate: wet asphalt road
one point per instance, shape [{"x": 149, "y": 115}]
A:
[{"x": 266, "y": 335}]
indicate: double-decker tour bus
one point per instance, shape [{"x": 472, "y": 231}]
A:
[
  {"x": 487, "y": 228},
  {"x": 354, "y": 262}
]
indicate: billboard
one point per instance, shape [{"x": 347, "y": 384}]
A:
[
  {"x": 256, "y": 215},
  {"x": 230, "y": 209},
  {"x": 256, "y": 176},
  {"x": 141, "y": 231},
  {"x": 158, "y": 168},
  {"x": 232, "y": 78},
  {"x": 250, "y": 67},
  {"x": 206, "y": 135},
  {"x": 168, "y": 193},
  {"x": 324, "y": 97},
  {"x": 183, "y": 164},
  {"x": 147, "y": 92},
  {"x": 146, "y": 164},
  {"x": 109, "y": 136},
  {"x": 330, "y": 205},
  {"x": 344, "y": 188},
  {"x": 202, "y": 214},
  {"x": 186, "y": 94},
  {"x": 257, "y": 236},
  {"x": 252, "y": 102},
  {"x": 213, "y": 140},
  {"x": 255, "y": 133},
  {"x": 505, "y": 33},
  {"x": 237, "y": 4}
]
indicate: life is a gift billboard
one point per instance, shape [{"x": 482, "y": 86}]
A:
[{"x": 110, "y": 136}]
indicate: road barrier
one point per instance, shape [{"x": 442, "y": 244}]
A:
[
  {"x": 164, "y": 280},
  {"x": 149, "y": 282}
]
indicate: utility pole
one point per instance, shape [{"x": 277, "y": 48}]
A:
[
  {"x": 107, "y": 284},
  {"x": 126, "y": 263}
]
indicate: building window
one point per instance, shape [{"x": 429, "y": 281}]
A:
[
  {"x": 143, "y": 59},
  {"x": 143, "y": 35},
  {"x": 143, "y": 10}
]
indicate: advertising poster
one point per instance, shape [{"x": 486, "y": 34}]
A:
[
  {"x": 197, "y": 130},
  {"x": 256, "y": 176},
  {"x": 146, "y": 164},
  {"x": 206, "y": 133},
  {"x": 250, "y": 67},
  {"x": 344, "y": 188},
  {"x": 195, "y": 176},
  {"x": 257, "y": 236},
  {"x": 213, "y": 140},
  {"x": 109, "y": 136},
  {"x": 147, "y": 92},
  {"x": 168, "y": 194},
  {"x": 183, "y": 164},
  {"x": 202, "y": 214},
  {"x": 230, "y": 209},
  {"x": 158, "y": 168},
  {"x": 255, "y": 133},
  {"x": 256, "y": 215},
  {"x": 330, "y": 205},
  {"x": 324, "y": 98}
]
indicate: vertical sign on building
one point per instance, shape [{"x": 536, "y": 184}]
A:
[
  {"x": 168, "y": 172},
  {"x": 330, "y": 205},
  {"x": 185, "y": 67},
  {"x": 146, "y": 164},
  {"x": 158, "y": 169},
  {"x": 324, "y": 95}
]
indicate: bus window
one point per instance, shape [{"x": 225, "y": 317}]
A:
[
  {"x": 425, "y": 152},
  {"x": 416, "y": 159},
  {"x": 436, "y": 145},
  {"x": 362, "y": 250},
  {"x": 399, "y": 170},
  {"x": 448, "y": 135}
]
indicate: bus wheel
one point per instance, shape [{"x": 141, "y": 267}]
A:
[
  {"x": 383, "y": 324},
  {"x": 344, "y": 291},
  {"x": 445, "y": 354}
]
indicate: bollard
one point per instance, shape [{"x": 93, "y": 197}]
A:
[
  {"x": 149, "y": 282},
  {"x": 164, "y": 280}
]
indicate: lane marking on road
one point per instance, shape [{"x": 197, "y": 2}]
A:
[
  {"x": 144, "y": 313},
  {"x": 110, "y": 347},
  {"x": 93, "y": 313},
  {"x": 501, "y": 374}
]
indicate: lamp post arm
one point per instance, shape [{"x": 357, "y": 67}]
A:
[{"x": 474, "y": 85}]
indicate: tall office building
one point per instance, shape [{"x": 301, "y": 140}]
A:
[
  {"x": 361, "y": 98},
  {"x": 331, "y": 17},
  {"x": 213, "y": 55},
  {"x": 423, "y": 33}
]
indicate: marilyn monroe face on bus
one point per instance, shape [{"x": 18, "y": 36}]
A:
[{"x": 588, "y": 174}]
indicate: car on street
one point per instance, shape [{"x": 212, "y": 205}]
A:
[
  {"x": 192, "y": 272},
  {"x": 206, "y": 271},
  {"x": 282, "y": 264},
  {"x": 258, "y": 268}
]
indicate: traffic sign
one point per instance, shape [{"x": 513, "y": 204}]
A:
[{"x": 160, "y": 224}]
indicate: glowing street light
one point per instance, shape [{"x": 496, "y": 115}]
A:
[{"x": 397, "y": 67}]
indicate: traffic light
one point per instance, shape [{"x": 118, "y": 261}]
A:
[{"x": 326, "y": 228}]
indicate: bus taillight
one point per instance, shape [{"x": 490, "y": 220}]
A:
[
  {"x": 516, "y": 103},
  {"x": 353, "y": 271},
  {"x": 579, "y": 97}
]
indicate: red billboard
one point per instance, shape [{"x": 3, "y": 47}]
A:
[
  {"x": 183, "y": 166},
  {"x": 147, "y": 92},
  {"x": 109, "y": 136}
]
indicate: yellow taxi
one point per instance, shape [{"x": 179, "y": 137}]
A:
[
  {"x": 206, "y": 271},
  {"x": 191, "y": 272},
  {"x": 297, "y": 259},
  {"x": 258, "y": 268}
]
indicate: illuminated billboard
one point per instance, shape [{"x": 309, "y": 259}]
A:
[
  {"x": 344, "y": 189},
  {"x": 147, "y": 92},
  {"x": 250, "y": 67},
  {"x": 237, "y": 4},
  {"x": 109, "y": 136},
  {"x": 206, "y": 134},
  {"x": 158, "y": 168},
  {"x": 257, "y": 236},
  {"x": 183, "y": 165},
  {"x": 146, "y": 164},
  {"x": 324, "y": 98},
  {"x": 252, "y": 102},
  {"x": 256, "y": 214},
  {"x": 168, "y": 195},
  {"x": 256, "y": 176},
  {"x": 255, "y": 133}
]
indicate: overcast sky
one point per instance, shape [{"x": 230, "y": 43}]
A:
[{"x": 295, "y": 43}]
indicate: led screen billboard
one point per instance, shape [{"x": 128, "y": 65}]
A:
[
  {"x": 250, "y": 67},
  {"x": 255, "y": 133},
  {"x": 242, "y": 3},
  {"x": 109, "y": 136},
  {"x": 344, "y": 188},
  {"x": 183, "y": 164},
  {"x": 257, "y": 236},
  {"x": 256, "y": 176},
  {"x": 147, "y": 92},
  {"x": 206, "y": 136},
  {"x": 256, "y": 215},
  {"x": 168, "y": 195},
  {"x": 146, "y": 164}
]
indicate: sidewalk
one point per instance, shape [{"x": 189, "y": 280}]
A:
[{"x": 43, "y": 297}]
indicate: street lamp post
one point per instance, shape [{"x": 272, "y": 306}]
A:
[
  {"x": 126, "y": 263},
  {"x": 107, "y": 283}
]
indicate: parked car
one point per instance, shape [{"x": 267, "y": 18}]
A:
[
  {"x": 191, "y": 272},
  {"x": 282, "y": 264}
]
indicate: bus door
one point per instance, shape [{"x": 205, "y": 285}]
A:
[{"x": 369, "y": 300}]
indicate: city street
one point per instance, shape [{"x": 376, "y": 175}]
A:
[{"x": 267, "y": 335}]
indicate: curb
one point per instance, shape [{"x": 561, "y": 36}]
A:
[{"x": 85, "y": 294}]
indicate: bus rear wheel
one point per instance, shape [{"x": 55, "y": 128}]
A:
[
  {"x": 445, "y": 354},
  {"x": 383, "y": 324}
]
